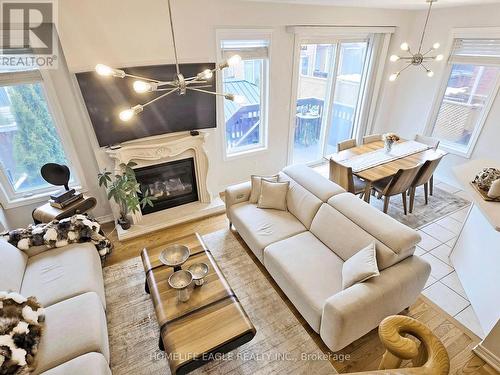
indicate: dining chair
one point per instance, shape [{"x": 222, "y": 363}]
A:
[
  {"x": 434, "y": 143},
  {"x": 371, "y": 138},
  {"x": 429, "y": 141},
  {"x": 342, "y": 175},
  {"x": 424, "y": 177},
  {"x": 398, "y": 184},
  {"x": 344, "y": 145}
]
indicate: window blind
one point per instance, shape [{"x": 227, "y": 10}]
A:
[
  {"x": 247, "y": 49},
  {"x": 476, "y": 51}
]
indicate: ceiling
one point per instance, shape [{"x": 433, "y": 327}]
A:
[{"x": 392, "y": 4}]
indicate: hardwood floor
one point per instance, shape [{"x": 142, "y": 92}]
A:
[
  {"x": 132, "y": 248},
  {"x": 366, "y": 352}
]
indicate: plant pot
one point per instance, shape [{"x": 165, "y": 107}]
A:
[{"x": 124, "y": 222}]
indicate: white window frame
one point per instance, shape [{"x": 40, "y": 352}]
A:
[
  {"x": 245, "y": 34},
  {"x": 374, "y": 66},
  {"x": 451, "y": 147},
  {"x": 8, "y": 197}
]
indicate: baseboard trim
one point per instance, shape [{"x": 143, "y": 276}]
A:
[
  {"x": 487, "y": 356},
  {"x": 106, "y": 219}
]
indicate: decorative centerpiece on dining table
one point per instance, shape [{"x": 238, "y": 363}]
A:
[{"x": 389, "y": 140}]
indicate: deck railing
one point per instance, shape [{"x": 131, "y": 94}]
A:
[{"x": 242, "y": 128}]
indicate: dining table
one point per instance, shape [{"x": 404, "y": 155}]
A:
[{"x": 384, "y": 169}]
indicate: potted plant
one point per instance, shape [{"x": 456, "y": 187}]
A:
[{"x": 125, "y": 189}]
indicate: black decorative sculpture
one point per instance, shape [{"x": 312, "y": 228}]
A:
[{"x": 56, "y": 174}]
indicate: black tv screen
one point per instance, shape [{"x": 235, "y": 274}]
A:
[{"x": 105, "y": 97}]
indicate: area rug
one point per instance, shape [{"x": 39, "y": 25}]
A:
[
  {"x": 440, "y": 204},
  {"x": 282, "y": 344}
]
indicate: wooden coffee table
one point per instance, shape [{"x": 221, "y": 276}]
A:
[{"x": 211, "y": 322}]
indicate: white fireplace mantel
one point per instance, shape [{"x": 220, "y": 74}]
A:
[{"x": 162, "y": 149}]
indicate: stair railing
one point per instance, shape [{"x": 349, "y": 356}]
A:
[{"x": 428, "y": 355}]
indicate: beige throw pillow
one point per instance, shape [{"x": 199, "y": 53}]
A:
[
  {"x": 273, "y": 195},
  {"x": 360, "y": 267},
  {"x": 255, "y": 192}
]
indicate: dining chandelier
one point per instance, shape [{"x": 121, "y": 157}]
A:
[
  {"x": 418, "y": 58},
  {"x": 179, "y": 85}
]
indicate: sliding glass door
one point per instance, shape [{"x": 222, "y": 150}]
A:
[{"x": 330, "y": 81}]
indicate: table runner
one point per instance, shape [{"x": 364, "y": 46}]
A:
[{"x": 372, "y": 159}]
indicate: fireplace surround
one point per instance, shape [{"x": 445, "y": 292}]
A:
[{"x": 159, "y": 150}]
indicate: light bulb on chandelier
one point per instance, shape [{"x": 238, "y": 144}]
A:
[
  {"x": 420, "y": 57},
  {"x": 141, "y": 87},
  {"x": 127, "y": 114},
  {"x": 107, "y": 71},
  {"x": 393, "y": 77},
  {"x": 179, "y": 84},
  {"x": 205, "y": 75}
]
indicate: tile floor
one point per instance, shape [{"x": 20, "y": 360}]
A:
[{"x": 443, "y": 286}]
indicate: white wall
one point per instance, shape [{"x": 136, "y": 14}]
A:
[
  {"x": 131, "y": 32},
  {"x": 416, "y": 93},
  {"x": 74, "y": 121},
  {"x": 128, "y": 33}
]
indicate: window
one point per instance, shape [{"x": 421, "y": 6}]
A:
[
  {"x": 315, "y": 60},
  {"x": 245, "y": 124},
  {"x": 328, "y": 99},
  {"x": 470, "y": 86},
  {"x": 28, "y": 135}
]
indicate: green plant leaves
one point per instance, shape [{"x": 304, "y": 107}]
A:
[{"x": 124, "y": 189}]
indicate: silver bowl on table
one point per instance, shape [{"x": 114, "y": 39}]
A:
[
  {"x": 174, "y": 256},
  {"x": 199, "y": 271},
  {"x": 181, "y": 281}
]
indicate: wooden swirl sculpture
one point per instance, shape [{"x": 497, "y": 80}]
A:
[{"x": 429, "y": 357}]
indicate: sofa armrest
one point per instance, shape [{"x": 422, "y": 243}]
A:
[
  {"x": 237, "y": 194},
  {"x": 357, "y": 310}
]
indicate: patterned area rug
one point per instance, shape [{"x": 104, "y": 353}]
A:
[
  {"x": 440, "y": 204},
  {"x": 282, "y": 335},
  {"x": 282, "y": 344}
]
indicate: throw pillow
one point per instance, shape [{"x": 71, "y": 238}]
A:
[
  {"x": 273, "y": 195},
  {"x": 360, "y": 267},
  {"x": 21, "y": 326},
  {"x": 256, "y": 180}
]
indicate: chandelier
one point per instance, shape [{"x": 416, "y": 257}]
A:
[
  {"x": 179, "y": 85},
  {"x": 418, "y": 58}
]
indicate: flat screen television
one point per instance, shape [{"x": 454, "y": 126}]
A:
[{"x": 105, "y": 97}]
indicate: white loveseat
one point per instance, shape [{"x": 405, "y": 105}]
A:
[
  {"x": 305, "y": 247},
  {"x": 68, "y": 282}
]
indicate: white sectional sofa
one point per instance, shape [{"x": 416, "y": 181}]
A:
[
  {"x": 305, "y": 247},
  {"x": 68, "y": 282}
]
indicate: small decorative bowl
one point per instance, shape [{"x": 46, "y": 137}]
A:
[
  {"x": 174, "y": 256},
  {"x": 199, "y": 271},
  {"x": 181, "y": 280}
]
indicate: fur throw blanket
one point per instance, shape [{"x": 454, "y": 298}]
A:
[
  {"x": 21, "y": 326},
  {"x": 58, "y": 233}
]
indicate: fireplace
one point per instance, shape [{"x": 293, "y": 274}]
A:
[
  {"x": 161, "y": 158},
  {"x": 172, "y": 184}
]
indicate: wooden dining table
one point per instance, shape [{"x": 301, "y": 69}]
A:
[{"x": 385, "y": 170}]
